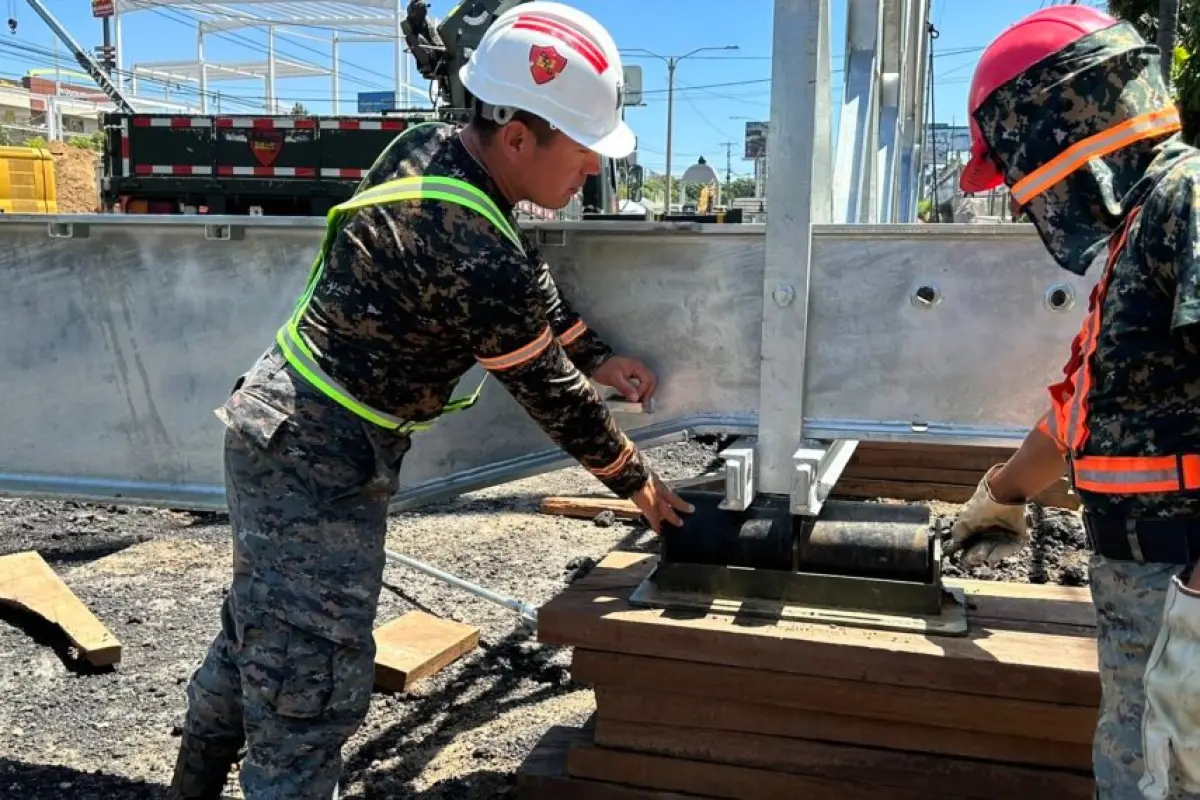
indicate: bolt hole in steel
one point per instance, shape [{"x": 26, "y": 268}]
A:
[
  {"x": 926, "y": 296},
  {"x": 1060, "y": 298}
]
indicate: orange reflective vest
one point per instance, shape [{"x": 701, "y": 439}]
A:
[{"x": 1066, "y": 422}]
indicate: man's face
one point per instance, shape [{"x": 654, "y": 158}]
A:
[{"x": 550, "y": 173}]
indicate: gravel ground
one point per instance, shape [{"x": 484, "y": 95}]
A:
[{"x": 156, "y": 579}]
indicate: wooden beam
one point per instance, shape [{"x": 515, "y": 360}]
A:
[
  {"x": 734, "y": 717},
  {"x": 706, "y": 779},
  {"x": 1056, "y": 666},
  {"x": 954, "y": 707},
  {"x": 416, "y": 645},
  {"x": 27, "y": 581},
  {"x": 543, "y": 774},
  {"x": 891, "y": 769}
]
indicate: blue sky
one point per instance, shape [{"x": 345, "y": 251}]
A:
[{"x": 705, "y": 118}]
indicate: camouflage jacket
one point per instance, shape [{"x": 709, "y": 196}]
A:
[
  {"x": 1144, "y": 399},
  {"x": 1145, "y": 394},
  {"x": 414, "y": 293}
]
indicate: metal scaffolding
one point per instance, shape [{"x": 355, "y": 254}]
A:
[{"x": 361, "y": 21}]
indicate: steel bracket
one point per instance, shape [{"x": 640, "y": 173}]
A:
[
  {"x": 739, "y": 474},
  {"x": 816, "y": 471}
]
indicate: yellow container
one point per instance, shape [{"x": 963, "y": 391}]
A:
[{"x": 27, "y": 181}]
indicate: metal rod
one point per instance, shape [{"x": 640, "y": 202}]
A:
[{"x": 527, "y": 612}]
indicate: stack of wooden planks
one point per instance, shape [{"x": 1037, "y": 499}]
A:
[
  {"x": 705, "y": 706},
  {"x": 919, "y": 472}
]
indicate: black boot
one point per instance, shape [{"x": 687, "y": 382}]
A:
[{"x": 202, "y": 768}]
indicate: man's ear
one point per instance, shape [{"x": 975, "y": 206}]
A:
[{"x": 516, "y": 137}]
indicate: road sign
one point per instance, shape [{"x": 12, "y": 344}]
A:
[{"x": 373, "y": 102}]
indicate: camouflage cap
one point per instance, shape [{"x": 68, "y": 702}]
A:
[{"x": 1105, "y": 82}]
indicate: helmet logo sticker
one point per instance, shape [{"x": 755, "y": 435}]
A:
[{"x": 545, "y": 64}]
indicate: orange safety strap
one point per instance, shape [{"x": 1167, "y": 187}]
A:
[
  {"x": 1072, "y": 418},
  {"x": 1136, "y": 474},
  {"x": 1156, "y": 123}
]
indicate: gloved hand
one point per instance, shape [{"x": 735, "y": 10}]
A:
[
  {"x": 1171, "y": 721},
  {"x": 999, "y": 528}
]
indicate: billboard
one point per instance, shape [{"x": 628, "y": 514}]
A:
[
  {"x": 947, "y": 138},
  {"x": 756, "y": 140},
  {"x": 632, "y": 93}
]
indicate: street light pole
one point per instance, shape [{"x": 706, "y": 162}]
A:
[
  {"x": 670, "y": 120},
  {"x": 672, "y": 62}
]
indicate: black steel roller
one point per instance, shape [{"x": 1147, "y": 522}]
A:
[
  {"x": 761, "y": 537},
  {"x": 869, "y": 540}
]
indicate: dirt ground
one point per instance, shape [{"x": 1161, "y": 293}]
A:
[
  {"x": 75, "y": 178},
  {"x": 156, "y": 579}
]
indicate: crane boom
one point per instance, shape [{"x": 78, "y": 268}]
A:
[{"x": 85, "y": 60}]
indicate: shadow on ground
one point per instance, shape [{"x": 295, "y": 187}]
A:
[
  {"x": 48, "y": 635},
  {"x": 495, "y": 683},
  {"x": 49, "y": 782}
]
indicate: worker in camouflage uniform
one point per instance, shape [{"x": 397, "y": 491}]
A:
[
  {"x": 1070, "y": 111},
  {"x": 423, "y": 274}
]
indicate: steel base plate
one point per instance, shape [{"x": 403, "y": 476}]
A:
[{"x": 801, "y": 597}]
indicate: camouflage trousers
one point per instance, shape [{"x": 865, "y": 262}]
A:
[
  {"x": 291, "y": 670},
  {"x": 1129, "y": 599}
]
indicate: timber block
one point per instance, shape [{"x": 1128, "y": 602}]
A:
[
  {"x": 26, "y": 581},
  {"x": 698, "y": 704},
  {"x": 543, "y": 774},
  {"x": 416, "y": 645}
]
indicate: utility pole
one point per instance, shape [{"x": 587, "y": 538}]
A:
[
  {"x": 728, "y": 168},
  {"x": 672, "y": 62}
]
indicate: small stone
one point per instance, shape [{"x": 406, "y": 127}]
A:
[
  {"x": 605, "y": 519},
  {"x": 1074, "y": 575}
]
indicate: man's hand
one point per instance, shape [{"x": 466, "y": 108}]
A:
[
  {"x": 989, "y": 530},
  {"x": 657, "y": 502},
  {"x": 620, "y": 372}
]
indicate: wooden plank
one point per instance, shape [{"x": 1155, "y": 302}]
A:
[
  {"x": 1057, "y": 496},
  {"x": 592, "y": 762},
  {"x": 594, "y": 613},
  {"x": 915, "y": 455},
  {"x": 27, "y": 581},
  {"x": 543, "y": 774},
  {"x": 416, "y": 645},
  {"x": 952, "y": 707},
  {"x": 1003, "y": 601},
  {"x": 588, "y": 507},
  {"x": 739, "y": 716},
  {"x": 899, "y": 769}
]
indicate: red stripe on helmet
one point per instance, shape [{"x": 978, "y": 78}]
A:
[{"x": 590, "y": 51}]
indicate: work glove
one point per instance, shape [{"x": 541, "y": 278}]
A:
[
  {"x": 988, "y": 531},
  {"x": 1171, "y": 721}
]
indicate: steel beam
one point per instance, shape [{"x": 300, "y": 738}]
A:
[{"x": 800, "y": 141}]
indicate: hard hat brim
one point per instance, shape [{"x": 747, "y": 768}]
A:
[
  {"x": 979, "y": 175},
  {"x": 617, "y": 144}
]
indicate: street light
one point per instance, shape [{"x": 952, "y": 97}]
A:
[{"x": 671, "y": 61}]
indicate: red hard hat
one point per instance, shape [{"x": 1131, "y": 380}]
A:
[{"x": 1022, "y": 45}]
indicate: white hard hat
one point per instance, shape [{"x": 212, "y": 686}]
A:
[{"x": 556, "y": 62}]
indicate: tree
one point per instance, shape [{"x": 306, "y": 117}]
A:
[
  {"x": 1144, "y": 15},
  {"x": 298, "y": 110}
]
